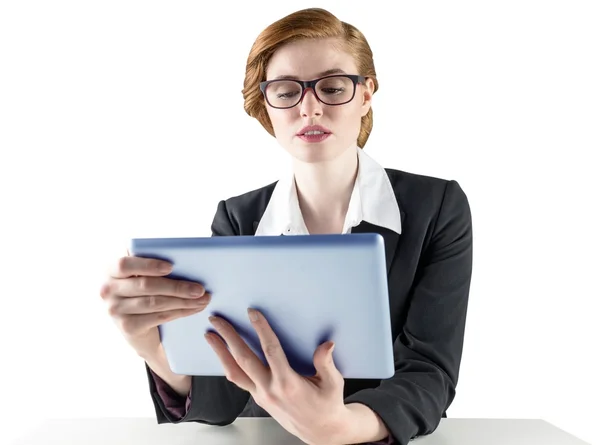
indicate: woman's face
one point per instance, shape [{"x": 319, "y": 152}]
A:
[{"x": 308, "y": 60}]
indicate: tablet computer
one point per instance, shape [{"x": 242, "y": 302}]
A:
[{"x": 311, "y": 288}]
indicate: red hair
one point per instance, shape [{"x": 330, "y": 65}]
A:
[{"x": 312, "y": 23}]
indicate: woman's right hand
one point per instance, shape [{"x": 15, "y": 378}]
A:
[{"x": 139, "y": 298}]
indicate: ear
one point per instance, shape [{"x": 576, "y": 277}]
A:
[{"x": 367, "y": 95}]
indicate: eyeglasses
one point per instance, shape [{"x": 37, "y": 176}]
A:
[{"x": 338, "y": 89}]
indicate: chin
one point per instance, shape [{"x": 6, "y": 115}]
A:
[{"x": 315, "y": 152}]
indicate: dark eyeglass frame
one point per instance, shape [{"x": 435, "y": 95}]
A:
[{"x": 306, "y": 84}]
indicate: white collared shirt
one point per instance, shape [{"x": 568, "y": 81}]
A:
[{"x": 372, "y": 200}]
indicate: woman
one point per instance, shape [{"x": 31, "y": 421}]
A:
[{"x": 309, "y": 81}]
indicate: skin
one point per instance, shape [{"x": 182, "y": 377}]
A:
[
  {"x": 139, "y": 297},
  {"x": 324, "y": 172}
]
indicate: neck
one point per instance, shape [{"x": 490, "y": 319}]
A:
[{"x": 324, "y": 191}]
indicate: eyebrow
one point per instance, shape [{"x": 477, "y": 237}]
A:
[{"x": 322, "y": 74}]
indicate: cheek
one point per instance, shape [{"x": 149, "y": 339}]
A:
[
  {"x": 282, "y": 121},
  {"x": 348, "y": 116},
  {"x": 347, "y": 121}
]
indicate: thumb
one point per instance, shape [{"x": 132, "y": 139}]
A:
[{"x": 323, "y": 361}]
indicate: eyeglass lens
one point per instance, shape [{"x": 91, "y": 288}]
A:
[{"x": 334, "y": 90}]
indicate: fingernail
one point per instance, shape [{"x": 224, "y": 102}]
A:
[
  {"x": 204, "y": 299},
  {"x": 253, "y": 315},
  {"x": 196, "y": 290},
  {"x": 214, "y": 320},
  {"x": 164, "y": 268}
]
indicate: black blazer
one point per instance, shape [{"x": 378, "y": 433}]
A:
[{"x": 429, "y": 274}]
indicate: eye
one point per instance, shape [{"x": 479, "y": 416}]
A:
[
  {"x": 287, "y": 95},
  {"x": 335, "y": 86},
  {"x": 283, "y": 90},
  {"x": 333, "y": 90}
]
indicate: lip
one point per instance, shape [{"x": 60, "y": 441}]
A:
[
  {"x": 314, "y": 138},
  {"x": 313, "y": 128}
]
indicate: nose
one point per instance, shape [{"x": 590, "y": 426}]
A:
[{"x": 310, "y": 105}]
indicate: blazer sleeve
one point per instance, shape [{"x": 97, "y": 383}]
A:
[
  {"x": 428, "y": 351},
  {"x": 213, "y": 400}
]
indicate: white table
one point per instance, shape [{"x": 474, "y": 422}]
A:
[{"x": 265, "y": 431}]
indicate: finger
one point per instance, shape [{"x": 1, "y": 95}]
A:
[
  {"x": 233, "y": 372},
  {"x": 130, "y": 266},
  {"x": 271, "y": 346},
  {"x": 149, "y": 304},
  {"x": 139, "y": 323},
  {"x": 241, "y": 352},
  {"x": 140, "y": 286},
  {"x": 325, "y": 366}
]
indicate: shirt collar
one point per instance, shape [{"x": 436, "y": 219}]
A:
[{"x": 372, "y": 200}]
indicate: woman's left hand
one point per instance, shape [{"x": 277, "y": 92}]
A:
[{"x": 311, "y": 408}]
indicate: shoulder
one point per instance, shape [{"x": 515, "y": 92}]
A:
[
  {"x": 426, "y": 196},
  {"x": 404, "y": 182},
  {"x": 252, "y": 200},
  {"x": 244, "y": 210}
]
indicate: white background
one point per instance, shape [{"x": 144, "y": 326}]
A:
[{"x": 123, "y": 118}]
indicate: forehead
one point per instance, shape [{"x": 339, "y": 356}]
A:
[{"x": 308, "y": 59}]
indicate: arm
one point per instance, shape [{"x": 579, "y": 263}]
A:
[
  {"x": 159, "y": 366},
  {"x": 372, "y": 429},
  {"x": 428, "y": 352},
  {"x": 172, "y": 404},
  {"x": 212, "y": 400}
]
